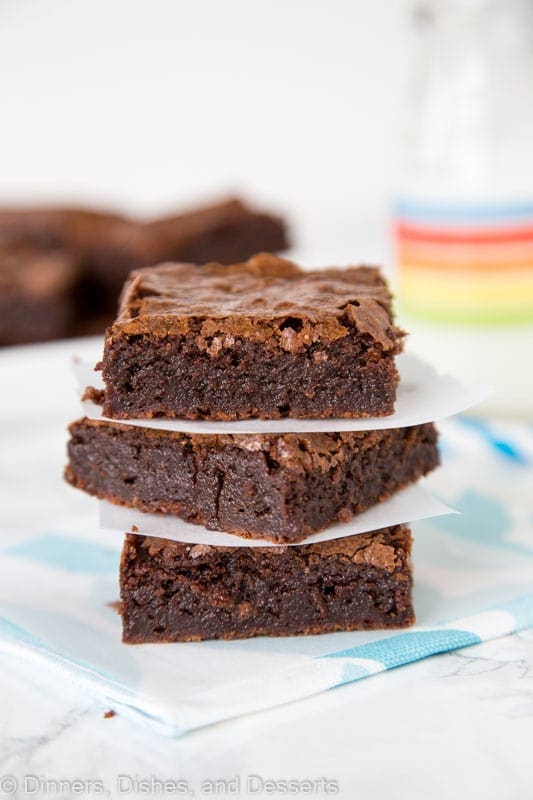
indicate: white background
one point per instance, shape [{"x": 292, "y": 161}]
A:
[{"x": 147, "y": 104}]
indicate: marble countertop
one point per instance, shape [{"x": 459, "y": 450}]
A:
[{"x": 460, "y": 724}]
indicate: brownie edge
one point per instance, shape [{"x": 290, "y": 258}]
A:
[{"x": 173, "y": 592}]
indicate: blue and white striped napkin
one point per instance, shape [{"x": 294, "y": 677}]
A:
[{"x": 473, "y": 582}]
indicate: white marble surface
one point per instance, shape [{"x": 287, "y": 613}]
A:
[{"x": 458, "y": 725}]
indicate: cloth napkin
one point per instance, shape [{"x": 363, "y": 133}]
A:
[{"x": 473, "y": 582}]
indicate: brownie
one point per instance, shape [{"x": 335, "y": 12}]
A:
[
  {"x": 98, "y": 240},
  {"x": 174, "y": 592},
  {"x": 258, "y": 339},
  {"x": 227, "y": 231},
  {"x": 100, "y": 249},
  {"x": 51, "y": 227},
  {"x": 279, "y": 487},
  {"x": 104, "y": 247},
  {"x": 37, "y": 294}
]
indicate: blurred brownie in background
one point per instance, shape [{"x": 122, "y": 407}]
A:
[
  {"x": 98, "y": 249},
  {"x": 38, "y": 294},
  {"x": 226, "y": 232},
  {"x": 102, "y": 245}
]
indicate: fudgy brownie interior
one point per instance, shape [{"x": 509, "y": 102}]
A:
[
  {"x": 180, "y": 592},
  {"x": 280, "y": 487}
]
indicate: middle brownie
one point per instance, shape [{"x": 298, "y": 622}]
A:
[{"x": 272, "y": 486}]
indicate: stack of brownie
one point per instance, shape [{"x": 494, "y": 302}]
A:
[
  {"x": 262, "y": 340},
  {"x": 61, "y": 269}
]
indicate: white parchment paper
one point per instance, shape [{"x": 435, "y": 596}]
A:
[
  {"x": 423, "y": 396},
  {"x": 411, "y": 504}
]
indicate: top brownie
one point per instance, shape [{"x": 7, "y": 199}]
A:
[{"x": 259, "y": 339}]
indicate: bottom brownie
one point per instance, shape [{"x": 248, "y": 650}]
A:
[{"x": 174, "y": 592}]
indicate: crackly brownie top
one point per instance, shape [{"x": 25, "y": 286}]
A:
[
  {"x": 376, "y": 549},
  {"x": 265, "y": 297},
  {"x": 298, "y": 451}
]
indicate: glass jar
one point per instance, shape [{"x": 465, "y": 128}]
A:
[{"x": 463, "y": 219}]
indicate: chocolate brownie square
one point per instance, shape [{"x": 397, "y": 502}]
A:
[
  {"x": 173, "y": 592},
  {"x": 227, "y": 231},
  {"x": 99, "y": 248},
  {"x": 278, "y": 487},
  {"x": 260, "y": 339},
  {"x": 38, "y": 291}
]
